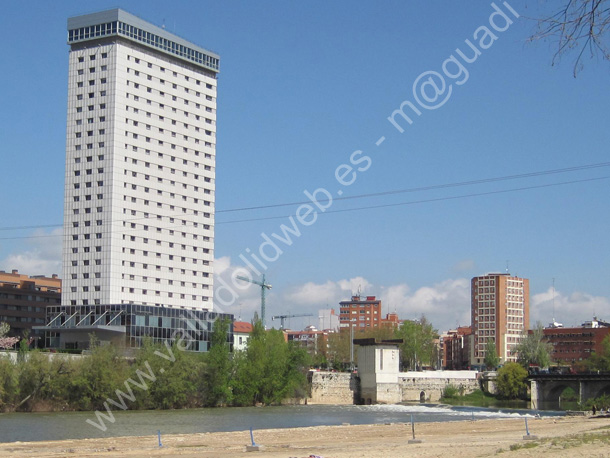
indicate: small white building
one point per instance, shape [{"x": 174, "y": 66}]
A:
[
  {"x": 241, "y": 334},
  {"x": 378, "y": 371}
]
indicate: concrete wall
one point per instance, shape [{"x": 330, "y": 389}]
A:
[
  {"x": 13, "y": 355},
  {"x": 428, "y": 386},
  {"x": 343, "y": 388},
  {"x": 332, "y": 388}
]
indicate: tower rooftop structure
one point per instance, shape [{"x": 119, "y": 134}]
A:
[{"x": 120, "y": 23}]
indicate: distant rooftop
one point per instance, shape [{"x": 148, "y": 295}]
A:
[
  {"x": 117, "y": 22},
  {"x": 242, "y": 326}
]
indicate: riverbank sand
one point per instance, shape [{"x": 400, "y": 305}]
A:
[{"x": 565, "y": 436}]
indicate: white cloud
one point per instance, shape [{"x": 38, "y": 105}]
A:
[
  {"x": 232, "y": 295},
  {"x": 465, "y": 265},
  {"x": 571, "y": 309},
  {"x": 353, "y": 285},
  {"x": 311, "y": 293},
  {"x": 329, "y": 292},
  {"x": 42, "y": 255},
  {"x": 445, "y": 304}
]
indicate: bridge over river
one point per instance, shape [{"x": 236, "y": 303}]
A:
[{"x": 548, "y": 387}]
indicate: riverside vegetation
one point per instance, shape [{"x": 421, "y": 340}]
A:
[{"x": 269, "y": 371}]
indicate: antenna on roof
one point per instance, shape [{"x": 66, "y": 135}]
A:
[
  {"x": 553, "y": 299},
  {"x": 507, "y": 266}
]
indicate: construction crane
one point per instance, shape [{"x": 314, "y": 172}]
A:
[
  {"x": 264, "y": 286},
  {"x": 283, "y": 317}
]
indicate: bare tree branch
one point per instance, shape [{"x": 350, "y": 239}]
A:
[{"x": 579, "y": 25}]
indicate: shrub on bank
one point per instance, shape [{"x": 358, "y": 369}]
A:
[
  {"x": 511, "y": 382},
  {"x": 269, "y": 371}
]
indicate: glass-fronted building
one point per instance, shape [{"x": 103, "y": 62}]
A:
[{"x": 71, "y": 327}]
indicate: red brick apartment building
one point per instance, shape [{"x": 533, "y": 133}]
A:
[
  {"x": 364, "y": 312},
  {"x": 456, "y": 348},
  {"x": 571, "y": 345},
  {"x": 23, "y": 301},
  {"x": 500, "y": 308}
]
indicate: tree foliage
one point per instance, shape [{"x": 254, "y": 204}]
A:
[
  {"x": 534, "y": 349},
  {"x": 97, "y": 376},
  {"x": 492, "y": 360},
  {"x": 600, "y": 361},
  {"x": 580, "y": 26},
  {"x": 270, "y": 369},
  {"x": 220, "y": 368},
  {"x": 418, "y": 348},
  {"x": 511, "y": 382}
]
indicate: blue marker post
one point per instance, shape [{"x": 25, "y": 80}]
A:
[
  {"x": 413, "y": 441},
  {"x": 252, "y": 437},
  {"x": 159, "y": 437},
  {"x": 254, "y": 447},
  {"x": 528, "y": 436}
]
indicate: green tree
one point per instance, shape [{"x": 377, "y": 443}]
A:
[
  {"x": 492, "y": 360},
  {"x": 219, "y": 371},
  {"x": 97, "y": 376},
  {"x": 8, "y": 383},
  {"x": 600, "y": 361},
  {"x": 41, "y": 380},
  {"x": 511, "y": 382},
  {"x": 175, "y": 373},
  {"x": 418, "y": 347},
  {"x": 534, "y": 349},
  {"x": 270, "y": 370}
]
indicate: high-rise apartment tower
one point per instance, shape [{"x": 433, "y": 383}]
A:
[
  {"x": 140, "y": 165},
  {"x": 500, "y": 312}
]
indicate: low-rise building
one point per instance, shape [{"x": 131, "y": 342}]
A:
[
  {"x": 24, "y": 300},
  {"x": 310, "y": 338},
  {"x": 391, "y": 320},
  {"x": 360, "y": 312},
  {"x": 571, "y": 345},
  {"x": 364, "y": 312},
  {"x": 128, "y": 325},
  {"x": 241, "y": 334},
  {"x": 456, "y": 348}
]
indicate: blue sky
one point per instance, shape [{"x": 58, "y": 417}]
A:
[{"x": 303, "y": 85}]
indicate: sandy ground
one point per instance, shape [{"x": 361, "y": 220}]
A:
[{"x": 566, "y": 436}]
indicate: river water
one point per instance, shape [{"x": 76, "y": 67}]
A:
[{"x": 73, "y": 425}]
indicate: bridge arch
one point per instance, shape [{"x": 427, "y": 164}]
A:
[
  {"x": 548, "y": 387},
  {"x": 599, "y": 391},
  {"x": 554, "y": 393}
]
